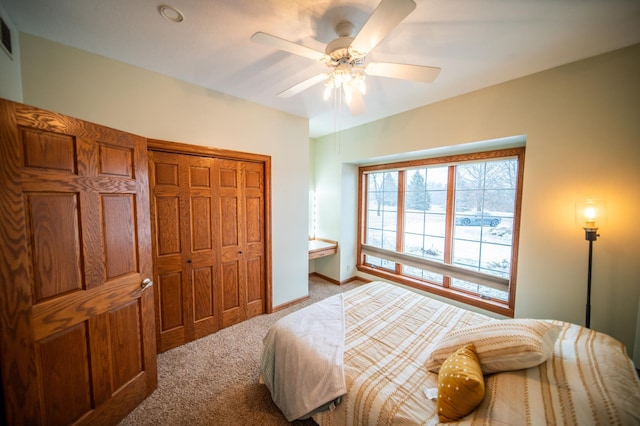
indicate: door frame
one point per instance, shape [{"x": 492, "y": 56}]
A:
[{"x": 203, "y": 151}]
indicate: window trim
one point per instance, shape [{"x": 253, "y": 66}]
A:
[{"x": 501, "y": 307}]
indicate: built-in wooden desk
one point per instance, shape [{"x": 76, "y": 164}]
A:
[{"x": 320, "y": 248}]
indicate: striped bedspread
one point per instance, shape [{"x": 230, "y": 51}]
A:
[{"x": 390, "y": 333}]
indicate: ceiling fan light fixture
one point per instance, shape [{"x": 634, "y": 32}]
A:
[
  {"x": 349, "y": 79},
  {"x": 346, "y": 56}
]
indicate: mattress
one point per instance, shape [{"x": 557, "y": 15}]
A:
[{"x": 390, "y": 333}]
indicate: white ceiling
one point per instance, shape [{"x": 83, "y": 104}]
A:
[{"x": 476, "y": 43}]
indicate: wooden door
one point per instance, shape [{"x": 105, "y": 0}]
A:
[
  {"x": 241, "y": 237},
  {"x": 184, "y": 255},
  {"x": 78, "y": 328}
]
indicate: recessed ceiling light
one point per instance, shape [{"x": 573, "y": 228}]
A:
[{"x": 170, "y": 13}]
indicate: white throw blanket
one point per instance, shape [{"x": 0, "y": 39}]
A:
[{"x": 303, "y": 358}]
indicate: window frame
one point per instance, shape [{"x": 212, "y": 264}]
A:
[{"x": 502, "y": 307}]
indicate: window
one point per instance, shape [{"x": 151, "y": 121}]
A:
[{"x": 445, "y": 225}]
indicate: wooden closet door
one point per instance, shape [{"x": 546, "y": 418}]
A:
[
  {"x": 241, "y": 239},
  {"x": 202, "y": 257},
  {"x": 209, "y": 226},
  {"x": 77, "y": 321},
  {"x": 184, "y": 256}
]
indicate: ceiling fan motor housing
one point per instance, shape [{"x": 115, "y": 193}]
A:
[{"x": 339, "y": 48}]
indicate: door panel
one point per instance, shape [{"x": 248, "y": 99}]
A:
[
  {"x": 241, "y": 207},
  {"x": 168, "y": 209},
  {"x": 255, "y": 237},
  {"x": 255, "y": 286},
  {"x": 170, "y": 301},
  {"x": 116, "y": 160},
  {"x": 183, "y": 221},
  {"x": 77, "y": 328},
  {"x": 203, "y": 293},
  {"x": 120, "y": 246},
  {"x": 67, "y": 397},
  {"x": 253, "y": 223},
  {"x": 230, "y": 235},
  {"x": 229, "y": 214},
  {"x": 168, "y": 248},
  {"x": 201, "y": 224},
  {"x": 168, "y": 229},
  {"x": 50, "y": 151},
  {"x": 55, "y": 247},
  {"x": 100, "y": 360},
  {"x": 231, "y": 303},
  {"x": 127, "y": 360}
]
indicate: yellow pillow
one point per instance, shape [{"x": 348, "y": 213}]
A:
[{"x": 460, "y": 384}]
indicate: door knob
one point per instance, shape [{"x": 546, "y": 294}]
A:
[{"x": 146, "y": 283}]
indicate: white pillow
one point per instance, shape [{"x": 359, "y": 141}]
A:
[{"x": 501, "y": 345}]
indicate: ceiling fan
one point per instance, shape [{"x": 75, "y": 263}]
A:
[{"x": 346, "y": 56}]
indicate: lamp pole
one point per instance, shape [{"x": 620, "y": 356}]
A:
[
  {"x": 588, "y": 212},
  {"x": 591, "y": 235}
]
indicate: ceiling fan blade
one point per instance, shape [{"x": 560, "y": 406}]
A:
[
  {"x": 303, "y": 85},
  {"x": 288, "y": 46},
  {"x": 356, "y": 106},
  {"x": 382, "y": 21},
  {"x": 403, "y": 71}
]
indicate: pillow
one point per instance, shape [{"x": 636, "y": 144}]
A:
[
  {"x": 460, "y": 385},
  {"x": 501, "y": 345}
]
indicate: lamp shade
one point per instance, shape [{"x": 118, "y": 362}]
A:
[{"x": 591, "y": 214}]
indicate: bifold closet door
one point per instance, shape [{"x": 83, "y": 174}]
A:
[
  {"x": 208, "y": 223},
  {"x": 76, "y": 316},
  {"x": 185, "y": 259},
  {"x": 241, "y": 236}
]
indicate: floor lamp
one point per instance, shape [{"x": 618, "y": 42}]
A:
[{"x": 590, "y": 214}]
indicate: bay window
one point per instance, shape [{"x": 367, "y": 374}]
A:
[{"x": 445, "y": 225}]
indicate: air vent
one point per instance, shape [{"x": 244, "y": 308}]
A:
[{"x": 6, "y": 38}]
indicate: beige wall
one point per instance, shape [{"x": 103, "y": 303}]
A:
[
  {"x": 582, "y": 127},
  {"x": 111, "y": 93},
  {"x": 10, "y": 80}
]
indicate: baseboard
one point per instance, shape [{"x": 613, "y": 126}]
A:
[
  {"x": 315, "y": 274},
  {"x": 336, "y": 282},
  {"x": 291, "y": 303},
  {"x": 324, "y": 277}
]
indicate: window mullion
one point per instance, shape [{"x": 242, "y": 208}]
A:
[
  {"x": 400, "y": 217},
  {"x": 448, "y": 239},
  {"x": 363, "y": 221}
]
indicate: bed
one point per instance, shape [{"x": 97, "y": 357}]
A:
[{"x": 377, "y": 355}]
